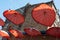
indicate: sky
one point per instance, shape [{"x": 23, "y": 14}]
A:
[{"x": 15, "y": 4}]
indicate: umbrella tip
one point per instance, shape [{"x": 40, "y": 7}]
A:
[
  {"x": 51, "y": 0},
  {"x": 9, "y": 9}
]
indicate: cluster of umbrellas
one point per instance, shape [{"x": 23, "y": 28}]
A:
[
  {"x": 19, "y": 34},
  {"x": 42, "y": 14},
  {"x": 54, "y": 31}
]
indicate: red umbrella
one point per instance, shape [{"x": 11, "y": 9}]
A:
[
  {"x": 1, "y": 22},
  {"x": 44, "y": 14},
  {"x": 16, "y": 33},
  {"x": 14, "y": 16},
  {"x": 4, "y": 34},
  {"x": 32, "y": 32},
  {"x": 54, "y": 31}
]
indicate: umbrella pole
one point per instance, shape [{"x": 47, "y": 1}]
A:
[
  {"x": 56, "y": 38},
  {"x": 35, "y": 38},
  {"x": 31, "y": 38}
]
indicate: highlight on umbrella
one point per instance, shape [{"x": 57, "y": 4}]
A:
[
  {"x": 4, "y": 34},
  {"x": 16, "y": 33}
]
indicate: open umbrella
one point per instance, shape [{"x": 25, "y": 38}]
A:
[
  {"x": 1, "y": 22},
  {"x": 54, "y": 31},
  {"x": 4, "y": 34},
  {"x": 44, "y": 14},
  {"x": 32, "y": 31},
  {"x": 16, "y": 33},
  {"x": 14, "y": 16}
]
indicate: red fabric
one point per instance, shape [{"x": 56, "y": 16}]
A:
[
  {"x": 54, "y": 31},
  {"x": 4, "y": 34},
  {"x": 44, "y": 14},
  {"x": 1, "y": 22},
  {"x": 32, "y": 32},
  {"x": 16, "y": 33},
  {"x": 14, "y": 16}
]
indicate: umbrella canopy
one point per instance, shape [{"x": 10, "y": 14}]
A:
[
  {"x": 44, "y": 14},
  {"x": 32, "y": 32},
  {"x": 1, "y": 22},
  {"x": 54, "y": 31},
  {"x": 14, "y": 16},
  {"x": 4, "y": 34},
  {"x": 16, "y": 33}
]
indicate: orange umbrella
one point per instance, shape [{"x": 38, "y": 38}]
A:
[
  {"x": 1, "y": 22},
  {"x": 4, "y": 34},
  {"x": 54, "y": 31},
  {"x": 14, "y": 16},
  {"x": 32, "y": 32},
  {"x": 44, "y": 14},
  {"x": 16, "y": 33}
]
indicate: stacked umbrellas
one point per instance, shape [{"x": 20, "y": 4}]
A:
[
  {"x": 2, "y": 32},
  {"x": 42, "y": 14},
  {"x": 17, "y": 19}
]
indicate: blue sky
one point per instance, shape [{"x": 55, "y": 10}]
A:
[{"x": 15, "y": 4}]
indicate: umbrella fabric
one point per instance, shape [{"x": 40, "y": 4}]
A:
[
  {"x": 1, "y": 22},
  {"x": 44, "y": 14},
  {"x": 54, "y": 31},
  {"x": 14, "y": 16},
  {"x": 32, "y": 32},
  {"x": 16, "y": 33},
  {"x": 4, "y": 34}
]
